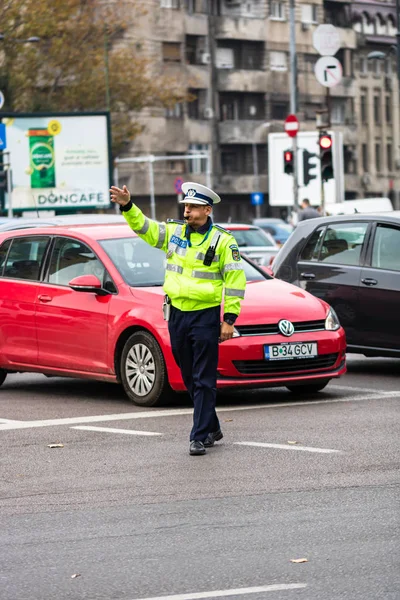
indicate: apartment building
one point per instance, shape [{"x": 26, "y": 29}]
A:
[{"x": 232, "y": 56}]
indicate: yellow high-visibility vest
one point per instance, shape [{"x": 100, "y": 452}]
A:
[{"x": 189, "y": 283}]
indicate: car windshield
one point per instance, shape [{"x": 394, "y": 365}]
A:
[
  {"x": 142, "y": 265},
  {"x": 251, "y": 237}
]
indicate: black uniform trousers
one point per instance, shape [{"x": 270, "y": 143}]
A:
[{"x": 194, "y": 340}]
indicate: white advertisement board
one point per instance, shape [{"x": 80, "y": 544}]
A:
[
  {"x": 59, "y": 162},
  {"x": 308, "y": 167}
]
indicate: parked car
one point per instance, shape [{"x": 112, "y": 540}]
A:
[
  {"x": 277, "y": 228},
  {"x": 12, "y": 223},
  {"x": 253, "y": 242},
  {"x": 86, "y": 301},
  {"x": 353, "y": 263}
]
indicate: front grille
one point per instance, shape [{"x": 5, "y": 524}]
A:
[
  {"x": 265, "y": 367},
  {"x": 299, "y": 327}
]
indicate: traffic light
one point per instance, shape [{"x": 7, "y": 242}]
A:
[
  {"x": 308, "y": 166},
  {"x": 288, "y": 162},
  {"x": 326, "y": 156}
]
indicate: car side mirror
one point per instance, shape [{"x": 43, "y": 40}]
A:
[{"x": 88, "y": 283}]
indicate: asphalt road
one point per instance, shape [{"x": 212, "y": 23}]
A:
[{"x": 122, "y": 512}]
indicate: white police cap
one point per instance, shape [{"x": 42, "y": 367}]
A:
[{"x": 195, "y": 193}]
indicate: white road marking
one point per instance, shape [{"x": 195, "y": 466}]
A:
[
  {"x": 186, "y": 411},
  {"x": 288, "y": 447},
  {"x": 9, "y": 421},
  {"x": 350, "y": 388},
  {"x": 113, "y": 430},
  {"x": 234, "y": 592}
]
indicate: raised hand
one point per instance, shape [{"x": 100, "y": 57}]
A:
[{"x": 119, "y": 196}]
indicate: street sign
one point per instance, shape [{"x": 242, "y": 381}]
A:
[
  {"x": 328, "y": 71},
  {"x": 3, "y": 139},
  {"x": 292, "y": 125},
  {"x": 178, "y": 185},
  {"x": 326, "y": 40},
  {"x": 257, "y": 198}
]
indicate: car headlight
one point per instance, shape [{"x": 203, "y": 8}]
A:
[
  {"x": 235, "y": 332},
  {"x": 332, "y": 322}
]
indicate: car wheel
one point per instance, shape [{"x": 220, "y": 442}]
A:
[
  {"x": 3, "y": 375},
  {"x": 309, "y": 388},
  {"x": 143, "y": 372}
]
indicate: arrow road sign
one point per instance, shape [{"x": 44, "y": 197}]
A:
[{"x": 328, "y": 71}]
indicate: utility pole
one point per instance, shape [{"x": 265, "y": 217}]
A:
[{"x": 293, "y": 96}]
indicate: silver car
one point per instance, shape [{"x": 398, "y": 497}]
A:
[{"x": 255, "y": 243}]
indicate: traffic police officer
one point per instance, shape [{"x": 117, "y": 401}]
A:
[{"x": 203, "y": 266}]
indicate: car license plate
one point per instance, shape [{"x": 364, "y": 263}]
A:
[{"x": 291, "y": 350}]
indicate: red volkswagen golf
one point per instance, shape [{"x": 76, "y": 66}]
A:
[{"x": 85, "y": 301}]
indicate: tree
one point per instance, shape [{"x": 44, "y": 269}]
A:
[{"x": 82, "y": 62}]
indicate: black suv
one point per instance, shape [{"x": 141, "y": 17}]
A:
[{"x": 352, "y": 262}]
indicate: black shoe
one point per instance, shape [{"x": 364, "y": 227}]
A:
[
  {"x": 196, "y": 448},
  {"x": 213, "y": 437}
]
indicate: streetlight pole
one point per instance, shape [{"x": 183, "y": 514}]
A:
[{"x": 106, "y": 69}]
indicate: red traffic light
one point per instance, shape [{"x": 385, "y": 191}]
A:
[
  {"x": 325, "y": 141},
  {"x": 288, "y": 156}
]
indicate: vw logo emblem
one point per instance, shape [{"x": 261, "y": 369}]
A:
[{"x": 286, "y": 327}]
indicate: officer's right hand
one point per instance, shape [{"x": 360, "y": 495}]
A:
[{"x": 119, "y": 196}]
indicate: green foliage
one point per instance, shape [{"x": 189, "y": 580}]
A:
[{"x": 66, "y": 70}]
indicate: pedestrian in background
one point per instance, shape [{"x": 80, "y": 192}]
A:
[
  {"x": 307, "y": 212},
  {"x": 203, "y": 267}
]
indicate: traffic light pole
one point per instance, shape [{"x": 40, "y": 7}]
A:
[{"x": 293, "y": 99}]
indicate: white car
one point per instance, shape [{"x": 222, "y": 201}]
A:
[{"x": 255, "y": 243}]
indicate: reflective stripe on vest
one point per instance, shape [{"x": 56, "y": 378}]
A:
[
  {"x": 162, "y": 230},
  {"x": 145, "y": 226},
  {"x": 232, "y": 267},
  {"x": 206, "y": 275},
  {"x": 233, "y": 292},
  {"x": 175, "y": 268},
  {"x": 201, "y": 256}
]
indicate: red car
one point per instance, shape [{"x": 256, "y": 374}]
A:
[{"x": 85, "y": 301}]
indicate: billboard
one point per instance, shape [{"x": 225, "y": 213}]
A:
[
  {"x": 308, "y": 169},
  {"x": 59, "y": 161}
]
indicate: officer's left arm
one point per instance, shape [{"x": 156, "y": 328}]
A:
[{"x": 233, "y": 274}]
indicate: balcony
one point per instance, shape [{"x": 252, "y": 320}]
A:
[
  {"x": 198, "y": 76},
  {"x": 230, "y": 80},
  {"x": 196, "y": 24},
  {"x": 241, "y": 184},
  {"x": 241, "y": 132},
  {"x": 241, "y": 29}
]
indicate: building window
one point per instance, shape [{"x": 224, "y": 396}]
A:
[
  {"x": 378, "y": 158},
  {"x": 309, "y": 13},
  {"x": 196, "y": 104},
  {"x": 309, "y": 61},
  {"x": 197, "y": 6},
  {"x": 389, "y": 152},
  {"x": 364, "y": 151},
  {"x": 277, "y": 11},
  {"x": 363, "y": 65},
  {"x": 199, "y": 164},
  {"x": 377, "y": 109},
  {"x": 279, "y": 110},
  {"x": 170, "y": 4},
  {"x": 278, "y": 61},
  {"x": 174, "y": 112},
  {"x": 338, "y": 111},
  {"x": 363, "y": 107},
  {"x": 388, "y": 109},
  {"x": 235, "y": 106},
  {"x": 171, "y": 52}
]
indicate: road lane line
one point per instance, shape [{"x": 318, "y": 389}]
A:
[
  {"x": 234, "y": 592},
  {"x": 187, "y": 411},
  {"x": 288, "y": 447},
  {"x": 5, "y": 421},
  {"x": 350, "y": 388},
  {"x": 113, "y": 430}
]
